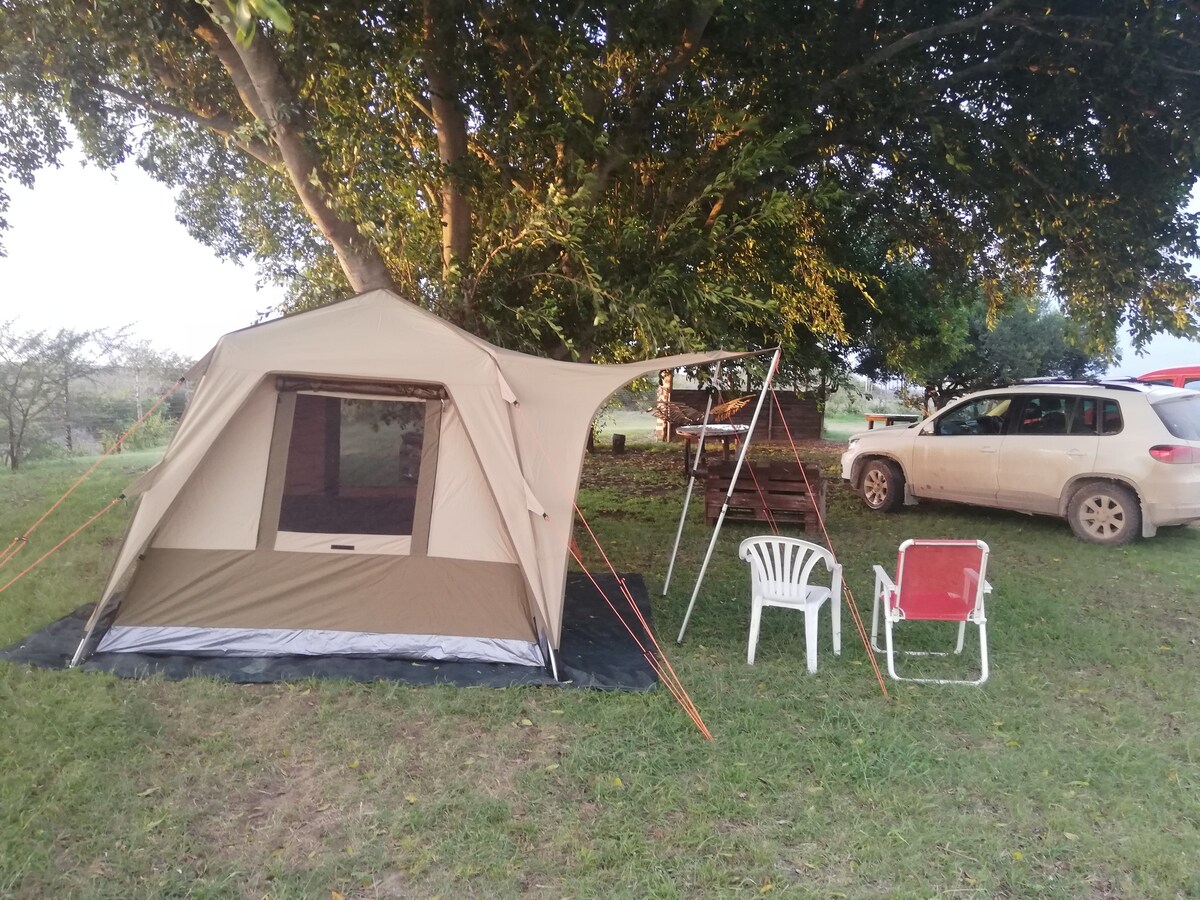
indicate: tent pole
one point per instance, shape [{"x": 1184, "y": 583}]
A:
[
  {"x": 92, "y": 622},
  {"x": 732, "y": 484},
  {"x": 687, "y": 497}
]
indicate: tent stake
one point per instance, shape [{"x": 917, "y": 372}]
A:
[
  {"x": 687, "y": 497},
  {"x": 732, "y": 484}
]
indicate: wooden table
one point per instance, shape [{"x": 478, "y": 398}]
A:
[
  {"x": 724, "y": 433},
  {"x": 890, "y": 418}
]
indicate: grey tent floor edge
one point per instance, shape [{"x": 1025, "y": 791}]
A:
[{"x": 596, "y": 652}]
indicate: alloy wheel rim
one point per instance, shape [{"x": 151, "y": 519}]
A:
[
  {"x": 875, "y": 488},
  {"x": 1103, "y": 516}
]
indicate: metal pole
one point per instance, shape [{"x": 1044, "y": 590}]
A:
[
  {"x": 732, "y": 484},
  {"x": 687, "y": 498}
]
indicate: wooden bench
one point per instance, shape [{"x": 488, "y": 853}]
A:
[{"x": 767, "y": 491}]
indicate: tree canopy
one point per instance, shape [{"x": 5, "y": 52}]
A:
[
  {"x": 602, "y": 180},
  {"x": 980, "y": 346}
]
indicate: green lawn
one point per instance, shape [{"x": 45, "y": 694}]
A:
[{"x": 1075, "y": 772}]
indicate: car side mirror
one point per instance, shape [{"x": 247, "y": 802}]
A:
[{"x": 927, "y": 427}]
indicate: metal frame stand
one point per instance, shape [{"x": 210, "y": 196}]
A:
[{"x": 732, "y": 485}]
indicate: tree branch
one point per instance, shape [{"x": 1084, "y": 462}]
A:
[
  {"x": 642, "y": 107},
  {"x": 224, "y": 125},
  {"x": 260, "y": 82},
  {"x": 913, "y": 39}
]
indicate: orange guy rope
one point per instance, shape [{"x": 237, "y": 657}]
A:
[
  {"x": 49, "y": 552},
  {"x": 20, "y": 542},
  {"x": 673, "y": 684},
  {"x": 645, "y": 625}
]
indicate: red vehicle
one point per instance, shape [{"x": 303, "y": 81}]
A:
[{"x": 1179, "y": 376}]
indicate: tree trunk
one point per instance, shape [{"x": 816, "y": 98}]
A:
[
  {"x": 265, "y": 91},
  {"x": 15, "y": 437},
  {"x": 451, "y": 126},
  {"x": 666, "y": 380}
]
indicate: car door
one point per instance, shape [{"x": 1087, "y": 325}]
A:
[
  {"x": 1051, "y": 439},
  {"x": 956, "y": 455}
]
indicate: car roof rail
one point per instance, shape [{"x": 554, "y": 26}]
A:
[{"x": 1120, "y": 384}]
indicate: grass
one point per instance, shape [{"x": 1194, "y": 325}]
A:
[{"x": 1073, "y": 773}]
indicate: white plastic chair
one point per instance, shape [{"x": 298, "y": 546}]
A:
[
  {"x": 780, "y": 571},
  {"x": 938, "y": 581}
]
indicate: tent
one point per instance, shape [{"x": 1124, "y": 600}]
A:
[{"x": 365, "y": 479}]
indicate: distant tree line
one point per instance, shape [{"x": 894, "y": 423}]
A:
[{"x": 72, "y": 391}]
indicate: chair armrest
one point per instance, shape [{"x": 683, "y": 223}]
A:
[{"x": 882, "y": 578}]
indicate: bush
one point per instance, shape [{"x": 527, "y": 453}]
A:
[{"x": 156, "y": 431}]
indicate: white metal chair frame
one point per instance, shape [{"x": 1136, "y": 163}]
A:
[
  {"x": 887, "y": 595},
  {"x": 780, "y": 570}
]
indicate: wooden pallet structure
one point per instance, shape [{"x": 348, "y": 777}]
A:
[{"x": 767, "y": 491}]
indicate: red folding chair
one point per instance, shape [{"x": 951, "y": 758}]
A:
[{"x": 939, "y": 581}]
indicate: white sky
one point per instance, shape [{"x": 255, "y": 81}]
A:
[
  {"x": 87, "y": 249},
  {"x": 90, "y": 250}
]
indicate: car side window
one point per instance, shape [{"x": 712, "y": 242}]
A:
[
  {"x": 1193, "y": 385},
  {"x": 983, "y": 416},
  {"x": 1110, "y": 420},
  {"x": 1045, "y": 414},
  {"x": 1082, "y": 418}
]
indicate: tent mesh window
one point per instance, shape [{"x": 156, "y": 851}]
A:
[{"x": 352, "y": 466}]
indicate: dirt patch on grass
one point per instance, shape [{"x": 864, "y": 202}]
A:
[{"x": 259, "y": 798}]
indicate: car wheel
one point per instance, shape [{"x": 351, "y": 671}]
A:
[
  {"x": 882, "y": 485},
  {"x": 1105, "y": 513}
]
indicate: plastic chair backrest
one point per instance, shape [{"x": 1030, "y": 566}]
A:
[
  {"x": 783, "y": 565},
  {"x": 940, "y": 580}
]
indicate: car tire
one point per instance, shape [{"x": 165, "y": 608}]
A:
[
  {"x": 1103, "y": 512},
  {"x": 881, "y": 485}
]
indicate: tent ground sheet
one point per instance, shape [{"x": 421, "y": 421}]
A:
[{"x": 597, "y": 652}]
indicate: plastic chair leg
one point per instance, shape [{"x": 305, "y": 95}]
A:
[
  {"x": 835, "y": 614},
  {"x": 811, "y": 611},
  {"x": 755, "y": 623}
]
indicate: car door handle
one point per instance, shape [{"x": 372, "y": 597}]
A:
[
  {"x": 1076, "y": 454},
  {"x": 987, "y": 449}
]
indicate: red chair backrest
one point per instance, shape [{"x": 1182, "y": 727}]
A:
[{"x": 939, "y": 579}]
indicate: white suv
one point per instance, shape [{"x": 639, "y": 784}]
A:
[{"x": 1114, "y": 458}]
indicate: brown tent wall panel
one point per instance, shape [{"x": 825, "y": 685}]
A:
[{"x": 267, "y": 602}]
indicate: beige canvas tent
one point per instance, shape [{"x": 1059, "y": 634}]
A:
[{"x": 364, "y": 478}]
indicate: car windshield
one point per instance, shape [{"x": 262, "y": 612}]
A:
[{"x": 1181, "y": 415}]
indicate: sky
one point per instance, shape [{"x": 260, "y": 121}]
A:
[
  {"x": 93, "y": 249},
  {"x": 87, "y": 249}
]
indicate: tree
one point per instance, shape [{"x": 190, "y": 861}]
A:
[
  {"x": 1023, "y": 338},
  {"x": 599, "y": 180},
  {"x": 153, "y": 371},
  {"x": 36, "y": 372}
]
